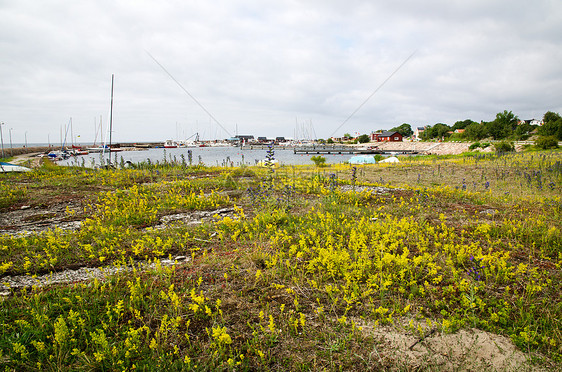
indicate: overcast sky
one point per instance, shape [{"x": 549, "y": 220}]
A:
[{"x": 272, "y": 68}]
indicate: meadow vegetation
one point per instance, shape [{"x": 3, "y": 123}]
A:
[{"x": 309, "y": 260}]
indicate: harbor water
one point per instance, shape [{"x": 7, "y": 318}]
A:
[{"x": 209, "y": 156}]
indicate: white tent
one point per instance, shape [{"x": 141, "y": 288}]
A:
[
  {"x": 7, "y": 167},
  {"x": 392, "y": 159}
]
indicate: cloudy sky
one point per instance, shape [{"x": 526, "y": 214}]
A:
[{"x": 272, "y": 68}]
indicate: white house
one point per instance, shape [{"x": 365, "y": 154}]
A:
[
  {"x": 534, "y": 122},
  {"x": 417, "y": 132}
]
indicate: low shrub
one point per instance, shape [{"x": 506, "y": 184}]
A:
[
  {"x": 546, "y": 142},
  {"x": 475, "y": 145},
  {"x": 319, "y": 160},
  {"x": 504, "y": 146}
]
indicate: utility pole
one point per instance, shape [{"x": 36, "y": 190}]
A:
[
  {"x": 11, "y": 149},
  {"x": 25, "y": 139},
  {"x": 2, "y": 138}
]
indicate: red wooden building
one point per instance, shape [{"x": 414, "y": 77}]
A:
[{"x": 387, "y": 136}]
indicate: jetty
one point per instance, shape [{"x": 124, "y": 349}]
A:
[
  {"x": 328, "y": 149},
  {"x": 261, "y": 146},
  {"x": 322, "y": 149}
]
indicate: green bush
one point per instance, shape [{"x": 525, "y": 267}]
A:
[
  {"x": 475, "y": 145},
  {"x": 320, "y": 161},
  {"x": 504, "y": 146},
  {"x": 364, "y": 138},
  {"x": 546, "y": 142}
]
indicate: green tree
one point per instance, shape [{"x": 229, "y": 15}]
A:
[
  {"x": 552, "y": 125},
  {"x": 552, "y": 128},
  {"x": 550, "y": 116},
  {"x": 364, "y": 138},
  {"x": 475, "y": 131},
  {"x": 523, "y": 130},
  {"x": 463, "y": 124},
  {"x": 405, "y": 130},
  {"x": 503, "y": 126},
  {"x": 438, "y": 130},
  {"x": 442, "y": 130}
]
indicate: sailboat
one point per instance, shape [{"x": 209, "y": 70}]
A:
[
  {"x": 61, "y": 154},
  {"x": 112, "y": 149},
  {"x": 99, "y": 129},
  {"x": 75, "y": 149},
  {"x": 107, "y": 147}
]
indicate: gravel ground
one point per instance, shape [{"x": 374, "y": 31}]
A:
[
  {"x": 14, "y": 283},
  {"x": 32, "y": 221}
]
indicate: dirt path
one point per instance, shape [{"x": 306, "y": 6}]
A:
[{"x": 30, "y": 159}]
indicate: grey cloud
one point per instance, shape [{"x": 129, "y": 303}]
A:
[{"x": 266, "y": 65}]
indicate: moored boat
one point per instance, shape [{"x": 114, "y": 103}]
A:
[
  {"x": 170, "y": 144},
  {"x": 97, "y": 149}
]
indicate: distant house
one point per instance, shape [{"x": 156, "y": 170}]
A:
[
  {"x": 243, "y": 137},
  {"x": 388, "y": 136},
  {"x": 418, "y": 132},
  {"x": 373, "y": 135},
  {"x": 459, "y": 130},
  {"x": 534, "y": 122},
  {"x": 240, "y": 138}
]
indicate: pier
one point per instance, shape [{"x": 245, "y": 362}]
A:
[
  {"x": 324, "y": 150},
  {"x": 348, "y": 150},
  {"x": 261, "y": 146}
]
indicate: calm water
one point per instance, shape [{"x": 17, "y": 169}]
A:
[{"x": 210, "y": 156}]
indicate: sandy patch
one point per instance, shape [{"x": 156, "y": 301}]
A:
[{"x": 466, "y": 350}]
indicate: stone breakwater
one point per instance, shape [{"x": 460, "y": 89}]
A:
[
  {"x": 17, "y": 151},
  {"x": 426, "y": 148}
]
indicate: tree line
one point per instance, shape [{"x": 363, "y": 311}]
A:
[{"x": 506, "y": 126}]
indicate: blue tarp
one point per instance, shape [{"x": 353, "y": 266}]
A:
[{"x": 362, "y": 159}]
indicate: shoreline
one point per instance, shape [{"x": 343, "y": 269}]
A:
[{"x": 29, "y": 155}]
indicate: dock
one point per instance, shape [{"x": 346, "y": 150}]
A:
[
  {"x": 321, "y": 149},
  {"x": 258, "y": 146}
]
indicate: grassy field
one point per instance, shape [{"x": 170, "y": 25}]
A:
[{"x": 311, "y": 268}]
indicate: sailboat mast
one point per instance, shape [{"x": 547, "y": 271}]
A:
[
  {"x": 111, "y": 113},
  {"x": 95, "y": 131},
  {"x": 100, "y": 128}
]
